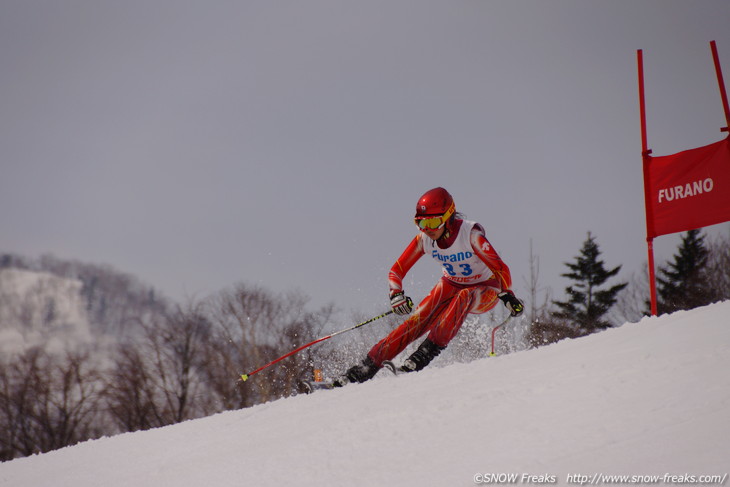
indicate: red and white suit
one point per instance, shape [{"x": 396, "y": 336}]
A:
[{"x": 473, "y": 277}]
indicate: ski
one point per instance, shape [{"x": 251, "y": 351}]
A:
[{"x": 310, "y": 386}]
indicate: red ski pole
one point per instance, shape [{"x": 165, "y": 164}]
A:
[{"x": 244, "y": 377}]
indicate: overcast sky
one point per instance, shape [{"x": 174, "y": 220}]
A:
[{"x": 285, "y": 143}]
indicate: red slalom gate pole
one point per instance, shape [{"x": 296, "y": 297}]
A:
[
  {"x": 721, "y": 83},
  {"x": 646, "y": 160}
]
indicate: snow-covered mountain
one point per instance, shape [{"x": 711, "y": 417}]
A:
[
  {"x": 649, "y": 400},
  {"x": 39, "y": 307},
  {"x": 60, "y": 305}
]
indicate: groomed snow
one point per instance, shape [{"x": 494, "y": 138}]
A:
[{"x": 650, "y": 398}]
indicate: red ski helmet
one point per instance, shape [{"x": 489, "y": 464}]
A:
[{"x": 434, "y": 208}]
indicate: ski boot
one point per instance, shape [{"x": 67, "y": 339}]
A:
[
  {"x": 426, "y": 352},
  {"x": 358, "y": 373}
]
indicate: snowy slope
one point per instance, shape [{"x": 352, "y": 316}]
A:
[{"x": 651, "y": 398}]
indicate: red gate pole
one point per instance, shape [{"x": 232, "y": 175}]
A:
[
  {"x": 646, "y": 160},
  {"x": 720, "y": 82}
]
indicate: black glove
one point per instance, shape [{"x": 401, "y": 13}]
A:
[
  {"x": 401, "y": 304},
  {"x": 513, "y": 304}
]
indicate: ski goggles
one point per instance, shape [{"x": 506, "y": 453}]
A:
[{"x": 434, "y": 222}]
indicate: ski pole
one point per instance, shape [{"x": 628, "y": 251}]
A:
[
  {"x": 244, "y": 377},
  {"x": 494, "y": 330}
]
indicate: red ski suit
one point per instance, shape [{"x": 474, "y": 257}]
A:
[{"x": 443, "y": 311}]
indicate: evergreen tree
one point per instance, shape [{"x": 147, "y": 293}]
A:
[
  {"x": 682, "y": 284},
  {"x": 587, "y": 303}
]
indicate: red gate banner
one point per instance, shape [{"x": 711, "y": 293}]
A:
[{"x": 687, "y": 190}]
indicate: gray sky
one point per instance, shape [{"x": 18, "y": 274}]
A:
[{"x": 198, "y": 144}]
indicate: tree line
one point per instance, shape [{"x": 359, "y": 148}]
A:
[
  {"x": 698, "y": 274},
  {"x": 171, "y": 364}
]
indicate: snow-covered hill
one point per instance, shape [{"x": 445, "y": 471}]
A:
[
  {"x": 645, "y": 399},
  {"x": 41, "y": 308}
]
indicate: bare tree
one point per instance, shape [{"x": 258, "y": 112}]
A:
[
  {"x": 538, "y": 307},
  {"x": 130, "y": 393},
  {"x": 178, "y": 347},
  {"x": 632, "y": 303},
  {"x": 550, "y": 330},
  {"x": 545, "y": 328},
  {"x": 718, "y": 267},
  {"x": 47, "y": 402},
  {"x": 252, "y": 327},
  {"x": 157, "y": 379}
]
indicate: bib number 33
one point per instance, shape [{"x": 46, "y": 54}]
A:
[{"x": 464, "y": 270}]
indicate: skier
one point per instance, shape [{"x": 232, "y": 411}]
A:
[{"x": 474, "y": 279}]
